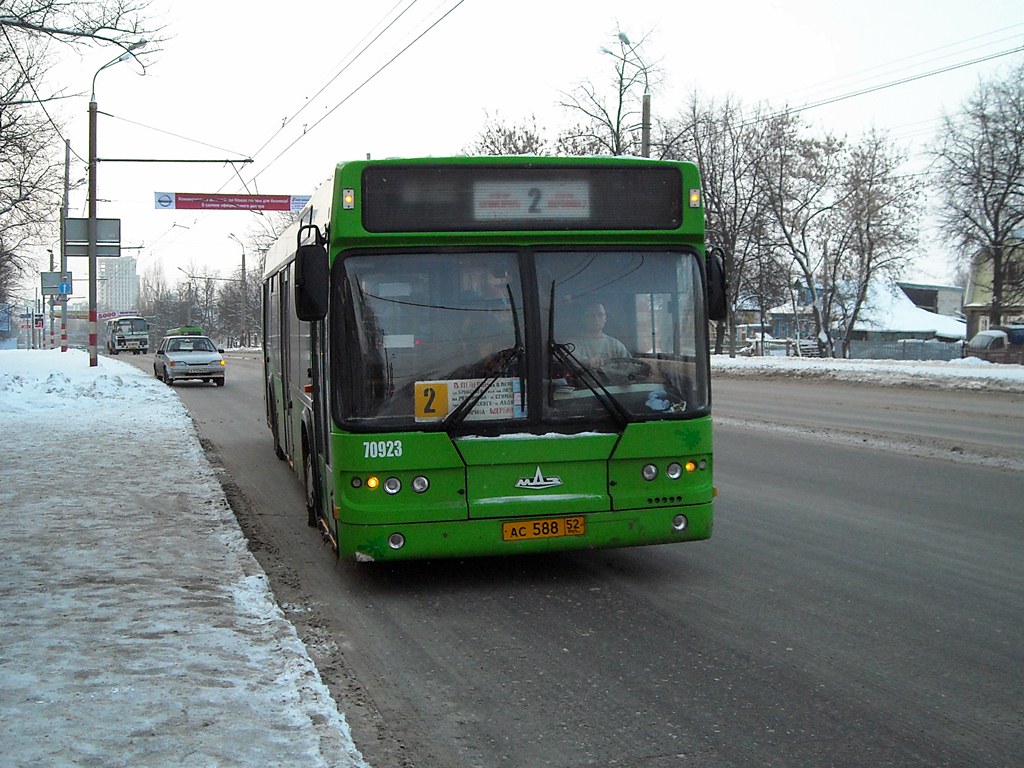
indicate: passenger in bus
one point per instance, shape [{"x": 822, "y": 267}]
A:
[{"x": 591, "y": 345}]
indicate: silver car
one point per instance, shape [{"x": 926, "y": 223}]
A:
[{"x": 189, "y": 357}]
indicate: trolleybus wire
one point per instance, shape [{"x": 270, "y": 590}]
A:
[{"x": 359, "y": 87}]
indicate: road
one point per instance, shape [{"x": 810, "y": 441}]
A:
[{"x": 860, "y": 604}]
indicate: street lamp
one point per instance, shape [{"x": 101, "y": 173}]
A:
[
  {"x": 91, "y": 223},
  {"x": 645, "y": 113},
  {"x": 245, "y": 320}
]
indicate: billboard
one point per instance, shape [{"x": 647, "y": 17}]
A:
[{"x": 202, "y": 201}]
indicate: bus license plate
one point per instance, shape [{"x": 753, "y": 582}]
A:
[{"x": 543, "y": 529}]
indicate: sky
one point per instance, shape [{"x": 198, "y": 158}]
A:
[
  {"x": 119, "y": 653},
  {"x": 321, "y": 82}
]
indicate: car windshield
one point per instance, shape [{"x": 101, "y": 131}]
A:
[
  {"x": 193, "y": 344},
  {"x": 583, "y": 339},
  {"x": 984, "y": 340}
]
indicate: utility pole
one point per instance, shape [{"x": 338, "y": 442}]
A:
[
  {"x": 244, "y": 325},
  {"x": 63, "y": 245}
]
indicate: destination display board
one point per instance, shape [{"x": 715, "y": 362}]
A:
[{"x": 423, "y": 198}]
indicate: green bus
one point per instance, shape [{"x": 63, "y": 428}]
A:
[{"x": 474, "y": 356}]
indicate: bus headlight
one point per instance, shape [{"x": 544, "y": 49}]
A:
[
  {"x": 675, "y": 470},
  {"x": 420, "y": 484},
  {"x": 649, "y": 472},
  {"x": 396, "y": 541},
  {"x": 392, "y": 486},
  {"x": 679, "y": 522}
]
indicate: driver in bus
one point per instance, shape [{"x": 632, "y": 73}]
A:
[{"x": 592, "y": 346}]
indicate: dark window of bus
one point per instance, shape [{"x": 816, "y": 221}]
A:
[
  {"x": 646, "y": 302},
  {"x": 413, "y": 319}
]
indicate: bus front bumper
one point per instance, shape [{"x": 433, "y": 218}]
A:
[{"x": 498, "y": 536}]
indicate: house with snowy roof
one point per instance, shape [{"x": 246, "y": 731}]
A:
[
  {"x": 888, "y": 318},
  {"x": 891, "y": 315}
]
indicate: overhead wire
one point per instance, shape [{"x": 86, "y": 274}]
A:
[
  {"x": 890, "y": 67},
  {"x": 345, "y": 63},
  {"x": 175, "y": 135},
  {"x": 893, "y": 83},
  {"x": 794, "y": 110},
  {"x": 359, "y": 87},
  {"x": 344, "y": 67}
]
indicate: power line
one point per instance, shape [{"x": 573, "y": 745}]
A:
[
  {"x": 175, "y": 135},
  {"x": 883, "y": 86},
  {"x": 288, "y": 120},
  {"x": 917, "y": 56},
  {"x": 359, "y": 87},
  {"x": 361, "y": 51}
]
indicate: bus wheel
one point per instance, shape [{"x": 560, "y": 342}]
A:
[
  {"x": 311, "y": 495},
  {"x": 278, "y": 450}
]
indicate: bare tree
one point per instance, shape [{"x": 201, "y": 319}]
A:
[
  {"x": 30, "y": 180},
  {"x": 498, "y": 138},
  {"x": 75, "y": 22},
  {"x": 612, "y": 117},
  {"x": 261, "y": 235},
  {"x": 800, "y": 186},
  {"x": 30, "y": 171},
  {"x": 879, "y": 210},
  {"x": 724, "y": 144},
  {"x": 979, "y": 164}
]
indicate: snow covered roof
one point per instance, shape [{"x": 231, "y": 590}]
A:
[{"x": 889, "y": 309}]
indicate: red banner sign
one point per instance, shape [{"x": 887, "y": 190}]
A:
[{"x": 215, "y": 202}]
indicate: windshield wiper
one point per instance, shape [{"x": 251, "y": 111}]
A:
[
  {"x": 563, "y": 354},
  {"x": 463, "y": 409}
]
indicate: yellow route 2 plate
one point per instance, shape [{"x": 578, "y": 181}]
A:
[{"x": 543, "y": 529}]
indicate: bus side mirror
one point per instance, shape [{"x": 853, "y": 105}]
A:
[
  {"x": 718, "y": 305},
  {"x": 311, "y": 282}
]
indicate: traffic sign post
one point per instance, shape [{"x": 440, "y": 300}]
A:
[
  {"x": 56, "y": 283},
  {"x": 108, "y": 237}
]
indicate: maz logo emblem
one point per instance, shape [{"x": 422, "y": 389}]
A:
[{"x": 538, "y": 481}]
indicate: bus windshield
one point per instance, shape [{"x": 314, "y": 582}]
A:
[
  {"x": 518, "y": 339},
  {"x": 132, "y": 325},
  {"x": 624, "y": 334}
]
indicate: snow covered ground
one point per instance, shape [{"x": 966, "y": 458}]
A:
[
  {"x": 967, "y": 373},
  {"x": 137, "y": 629}
]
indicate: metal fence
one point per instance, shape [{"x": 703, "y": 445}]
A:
[{"x": 906, "y": 349}]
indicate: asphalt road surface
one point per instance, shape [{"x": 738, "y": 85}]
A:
[{"x": 861, "y": 602}]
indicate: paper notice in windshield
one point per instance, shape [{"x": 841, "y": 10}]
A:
[{"x": 436, "y": 399}]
